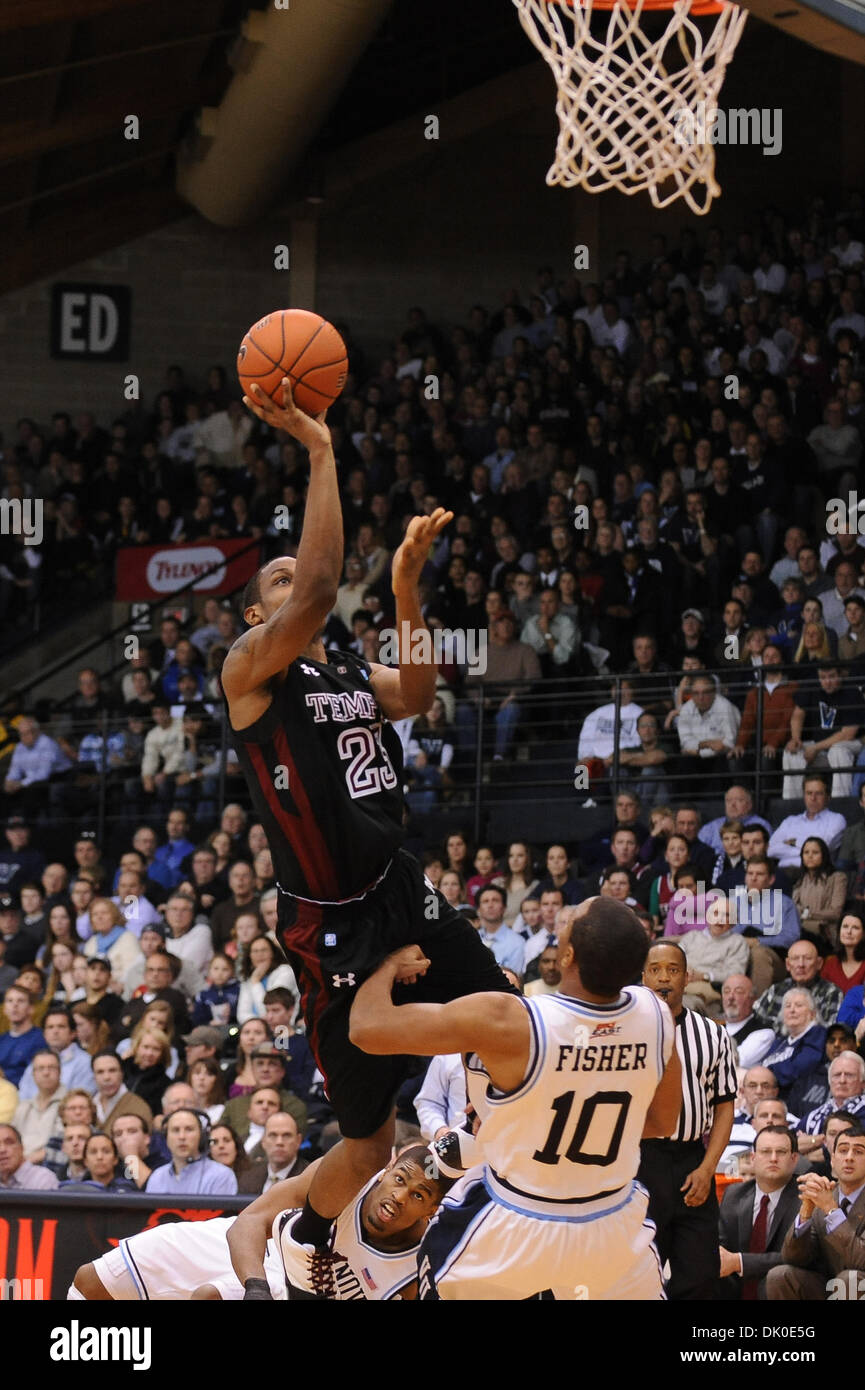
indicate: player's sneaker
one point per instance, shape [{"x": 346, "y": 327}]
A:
[{"x": 308, "y": 1268}]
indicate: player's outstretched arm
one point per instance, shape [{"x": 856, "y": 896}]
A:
[
  {"x": 249, "y": 1234},
  {"x": 410, "y": 690},
  {"x": 273, "y": 643},
  {"x": 496, "y": 1026}
]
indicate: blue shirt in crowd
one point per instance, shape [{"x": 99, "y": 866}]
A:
[{"x": 202, "y": 1175}]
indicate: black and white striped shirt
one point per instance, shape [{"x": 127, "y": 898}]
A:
[{"x": 708, "y": 1073}]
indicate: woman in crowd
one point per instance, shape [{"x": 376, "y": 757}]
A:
[
  {"x": 263, "y": 968},
  {"x": 569, "y": 595},
  {"x": 256, "y": 840},
  {"x": 755, "y": 644},
  {"x": 220, "y": 843},
  {"x": 61, "y": 987},
  {"x": 263, "y": 870},
  {"x": 819, "y": 891},
  {"x": 104, "y": 1168},
  {"x": 206, "y": 1079},
  {"x": 686, "y": 911},
  {"x": 813, "y": 647},
  {"x": 91, "y": 1029},
  {"x": 144, "y": 1070},
  {"x": 518, "y": 878},
  {"x": 428, "y": 756},
  {"x": 247, "y": 926},
  {"x": 676, "y": 853},
  {"x": 111, "y": 937},
  {"x": 239, "y": 1077},
  {"x": 453, "y": 889},
  {"x": 459, "y": 856},
  {"x": 61, "y": 927},
  {"x": 846, "y": 967},
  {"x": 812, "y": 612},
  {"x": 225, "y": 1147},
  {"x": 159, "y": 1016}
]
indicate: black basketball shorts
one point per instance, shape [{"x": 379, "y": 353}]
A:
[{"x": 333, "y": 949}]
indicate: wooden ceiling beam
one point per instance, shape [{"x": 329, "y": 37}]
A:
[
  {"x": 27, "y": 140},
  {"x": 37, "y": 14},
  {"x": 77, "y": 233}
]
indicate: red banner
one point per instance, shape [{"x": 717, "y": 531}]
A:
[
  {"x": 156, "y": 571},
  {"x": 46, "y": 1236}
]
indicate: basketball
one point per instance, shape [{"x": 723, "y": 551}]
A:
[{"x": 300, "y": 345}]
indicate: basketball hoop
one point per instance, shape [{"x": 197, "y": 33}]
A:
[{"x": 636, "y": 112}]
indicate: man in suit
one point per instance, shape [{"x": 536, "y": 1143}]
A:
[
  {"x": 756, "y": 1215},
  {"x": 821, "y": 1162},
  {"x": 112, "y": 1098},
  {"x": 828, "y": 1237},
  {"x": 279, "y": 1146}
]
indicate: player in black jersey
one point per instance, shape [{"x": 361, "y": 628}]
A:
[{"x": 324, "y": 774}]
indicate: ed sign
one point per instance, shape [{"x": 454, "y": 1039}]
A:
[{"x": 91, "y": 322}]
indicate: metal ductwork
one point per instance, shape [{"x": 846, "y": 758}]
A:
[{"x": 289, "y": 72}]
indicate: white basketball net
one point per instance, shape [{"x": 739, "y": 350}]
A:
[{"x": 625, "y": 120}]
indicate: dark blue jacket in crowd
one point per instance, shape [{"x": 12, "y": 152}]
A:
[
  {"x": 299, "y": 1066},
  {"x": 202, "y": 1011}
]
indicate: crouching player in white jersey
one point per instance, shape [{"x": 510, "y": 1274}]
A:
[
  {"x": 373, "y": 1248},
  {"x": 373, "y": 1252},
  {"x": 575, "y": 1080}
]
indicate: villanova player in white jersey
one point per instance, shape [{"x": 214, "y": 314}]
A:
[
  {"x": 373, "y": 1248},
  {"x": 373, "y": 1251},
  {"x": 575, "y": 1080}
]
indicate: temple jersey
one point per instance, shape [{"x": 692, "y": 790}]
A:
[
  {"x": 572, "y": 1130},
  {"x": 357, "y": 1269},
  {"x": 324, "y": 771}
]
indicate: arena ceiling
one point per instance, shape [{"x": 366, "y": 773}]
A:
[{"x": 71, "y": 71}]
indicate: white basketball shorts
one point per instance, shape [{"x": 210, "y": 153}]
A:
[
  {"x": 485, "y": 1246},
  {"x": 170, "y": 1261}
]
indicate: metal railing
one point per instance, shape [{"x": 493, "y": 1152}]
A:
[{"x": 536, "y": 767}]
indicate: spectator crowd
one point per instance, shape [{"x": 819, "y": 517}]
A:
[{"x": 643, "y": 473}]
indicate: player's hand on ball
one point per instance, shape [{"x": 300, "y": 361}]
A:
[
  {"x": 412, "y": 555},
  {"x": 407, "y": 964},
  {"x": 309, "y": 430}
]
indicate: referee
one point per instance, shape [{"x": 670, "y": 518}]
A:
[{"x": 679, "y": 1173}]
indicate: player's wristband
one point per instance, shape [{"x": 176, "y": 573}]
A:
[
  {"x": 257, "y": 1290},
  {"x": 455, "y": 1152}
]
